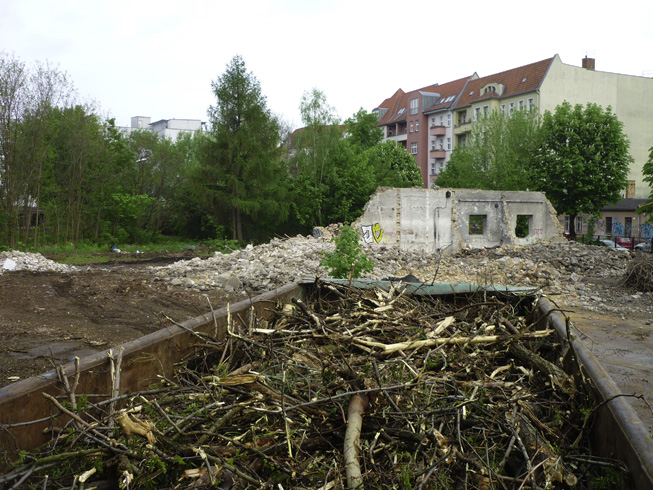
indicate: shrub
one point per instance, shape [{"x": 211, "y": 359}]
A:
[{"x": 348, "y": 257}]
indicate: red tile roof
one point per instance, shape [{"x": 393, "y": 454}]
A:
[
  {"x": 526, "y": 78},
  {"x": 448, "y": 93}
]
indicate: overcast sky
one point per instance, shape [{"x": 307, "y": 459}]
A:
[{"x": 158, "y": 58}]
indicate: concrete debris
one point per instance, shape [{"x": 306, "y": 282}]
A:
[
  {"x": 564, "y": 270},
  {"x": 25, "y": 261}
]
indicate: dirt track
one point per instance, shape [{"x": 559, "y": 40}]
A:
[{"x": 49, "y": 317}]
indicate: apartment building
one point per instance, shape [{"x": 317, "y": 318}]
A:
[
  {"x": 165, "y": 128},
  {"x": 422, "y": 122},
  {"x": 505, "y": 92},
  {"x": 540, "y": 86}
]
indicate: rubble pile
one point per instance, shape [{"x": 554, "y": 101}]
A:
[
  {"x": 573, "y": 273},
  {"x": 25, "y": 261},
  {"x": 565, "y": 269}
]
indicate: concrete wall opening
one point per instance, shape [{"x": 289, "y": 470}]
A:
[
  {"x": 523, "y": 225},
  {"x": 477, "y": 224}
]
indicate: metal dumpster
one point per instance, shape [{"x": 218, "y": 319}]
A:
[{"x": 25, "y": 412}]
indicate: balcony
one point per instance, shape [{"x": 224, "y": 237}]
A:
[
  {"x": 438, "y": 154},
  {"x": 438, "y": 130},
  {"x": 398, "y": 136}
]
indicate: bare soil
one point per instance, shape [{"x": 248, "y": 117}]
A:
[{"x": 47, "y": 318}]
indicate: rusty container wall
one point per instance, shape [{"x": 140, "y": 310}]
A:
[
  {"x": 145, "y": 362},
  {"x": 617, "y": 432}
]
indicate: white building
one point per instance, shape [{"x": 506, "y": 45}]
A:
[{"x": 165, "y": 128}]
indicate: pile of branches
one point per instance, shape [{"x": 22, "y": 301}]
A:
[
  {"x": 639, "y": 273},
  {"x": 346, "y": 388}
]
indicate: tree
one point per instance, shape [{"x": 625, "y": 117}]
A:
[
  {"x": 27, "y": 97},
  {"x": 497, "y": 154},
  {"x": 363, "y": 131},
  {"x": 316, "y": 146},
  {"x": 647, "y": 171},
  {"x": 393, "y": 166},
  {"x": 240, "y": 160},
  {"x": 582, "y": 159}
]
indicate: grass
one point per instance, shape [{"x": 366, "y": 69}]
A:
[{"x": 91, "y": 253}]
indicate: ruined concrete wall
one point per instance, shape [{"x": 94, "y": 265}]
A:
[{"x": 430, "y": 220}]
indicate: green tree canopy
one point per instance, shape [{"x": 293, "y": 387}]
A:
[
  {"x": 363, "y": 130},
  {"x": 647, "y": 171},
  {"x": 241, "y": 159},
  {"x": 393, "y": 166},
  {"x": 496, "y": 154},
  {"x": 582, "y": 159}
]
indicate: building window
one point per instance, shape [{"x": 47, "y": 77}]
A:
[
  {"x": 476, "y": 224},
  {"x": 411, "y": 126},
  {"x": 448, "y": 143},
  {"x": 448, "y": 120},
  {"x": 579, "y": 224},
  {"x": 628, "y": 227},
  {"x": 433, "y": 143},
  {"x": 531, "y": 103},
  {"x": 433, "y": 121},
  {"x": 521, "y": 105},
  {"x": 441, "y": 120},
  {"x": 486, "y": 110},
  {"x": 413, "y": 148},
  {"x": 567, "y": 223},
  {"x": 512, "y": 108},
  {"x": 414, "y": 106},
  {"x": 462, "y": 141},
  {"x": 523, "y": 225},
  {"x": 434, "y": 170},
  {"x": 477, "y": 113},
  {"x": 441, "y": 164},
  {"x": 608, "y": 225},
  {"x": 416, "y": 126},
  {"x": 503, "y": 109}
]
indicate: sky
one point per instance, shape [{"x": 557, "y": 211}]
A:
[{"x": 159, "y": 58}]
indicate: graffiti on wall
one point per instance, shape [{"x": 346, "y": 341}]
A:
[
  {"x": 647, "y": 230},
  {"x": 372, "y": 233},
  {"x": 617, "y": 229}
]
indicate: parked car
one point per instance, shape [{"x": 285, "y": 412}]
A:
[
  {"x": 644, "y": 246},
  {"x": 624, "y": 242},
  {"x": 611, "y": 244}
]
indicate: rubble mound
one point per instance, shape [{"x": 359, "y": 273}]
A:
[
  {"x": 26, "y": 261},
  {"x": 553, "y": 266}
]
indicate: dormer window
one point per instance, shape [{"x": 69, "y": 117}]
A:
[{"x": 492, "y": 88}]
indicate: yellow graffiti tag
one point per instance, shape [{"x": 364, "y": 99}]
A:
[{"x": 377, "y": 232}]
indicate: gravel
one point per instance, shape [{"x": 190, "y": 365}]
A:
[{"x": 570, "y": 271}]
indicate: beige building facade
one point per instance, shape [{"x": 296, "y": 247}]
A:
[
  {"x": 631, "y": 99},
  {"x": 540, "y": 86}
]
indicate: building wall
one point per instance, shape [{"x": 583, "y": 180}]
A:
[
  {"x": 430, "y": 220},
  {"x": 164, "y": 128},
  {"x": 630, "y": 97},
  {"x": 435, "y": 121}
]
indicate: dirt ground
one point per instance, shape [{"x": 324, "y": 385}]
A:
[{"x": 47, "y": 318}]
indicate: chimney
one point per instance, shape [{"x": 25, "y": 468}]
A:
[{"x": 588, "y": 63}]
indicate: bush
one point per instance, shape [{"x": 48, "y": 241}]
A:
[{"x": 347, "y": 255}]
